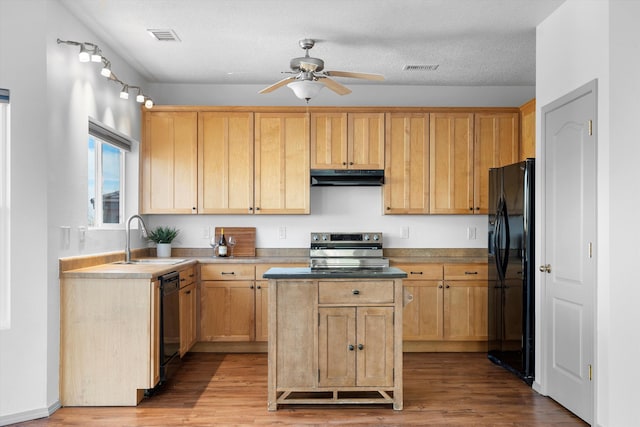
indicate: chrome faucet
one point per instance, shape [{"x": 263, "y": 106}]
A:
[{"x": 127, "y": 248}]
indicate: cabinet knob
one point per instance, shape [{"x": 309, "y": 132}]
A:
[
  {"x": 258, "y": 209},
  {"x": 258, "y": 287},
  {"x": 360, "y": 346},
  {"x": 447, "y": 286},
  {"x": 250, "y": 286},
  {"x": 439, "y": 286},
  {"x": 188, "y": 292},
  {"x": 344, "y": 163},
  {"x": 250, "y": 208},
  {"x": 351, "y": 347},
  {"x": 355, "y": 292},
  {"x": 477, "y": 208},
  {"x": 388, "y": 208},
  {"x": 470, "y": 208},
  {"x": 351, "y": 163}
]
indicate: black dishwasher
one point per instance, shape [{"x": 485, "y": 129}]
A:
[{"x": 169, "y": 324}]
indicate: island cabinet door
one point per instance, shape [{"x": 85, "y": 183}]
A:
[
  {"x": 337, "y": 346},
  {"x": 375, "y": 346}
]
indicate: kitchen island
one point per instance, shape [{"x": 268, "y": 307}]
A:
[{"x": 335, "y": 336}]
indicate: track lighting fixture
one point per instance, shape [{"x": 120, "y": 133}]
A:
[
  {"x": 124, "y": 92},
  {"x": 90, "y": 52},
  {"x": 106, "y": 68}
]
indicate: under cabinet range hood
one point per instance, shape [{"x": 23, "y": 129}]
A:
[{"x": 347, "y": 177}]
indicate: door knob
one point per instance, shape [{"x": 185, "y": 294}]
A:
[{"x": 545, "y": 268}]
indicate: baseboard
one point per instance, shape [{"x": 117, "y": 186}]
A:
[{"x": 33, "y": 414}]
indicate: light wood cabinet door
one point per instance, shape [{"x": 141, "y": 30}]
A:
[
  {"x": 227, "y": 311},
  {"x": 154, "y": 330},
  {"x": 282, "y": 163},
  {"x": 465, "y": 310},
  {"x": 528, "y": 130},
  {"x": 188, "y": 327},
  {"x": 423, "y": 317},
  {"x": 496, "y": 144},
  {"x": 168, "y": 163},
  {"x": 347, "y": 140},
  {"x": 329, "y": 141},
  {"x": 451, "y": 163},
  {"x": 406, "y": 189},
  {"x": 337, "y": 346},
  {"x": 375, "y": 346},
  {"x": 365, "y": 136},
  {"x": 225, "y": 163}
]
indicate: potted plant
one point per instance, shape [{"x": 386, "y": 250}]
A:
[{"x": 162, "y": 237}]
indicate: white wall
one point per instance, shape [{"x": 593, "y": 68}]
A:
[
  {"x": 52, "y": 96},
  {"x": 596, "y": 39}
]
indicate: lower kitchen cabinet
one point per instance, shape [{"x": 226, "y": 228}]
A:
[
  {"x": 108, "y": 356},
  {"x": 335, "y": 341},
  {"x": 465, "y": 302},
  {"x": 227, "y": 303},
  {"x": 448, "y": 311}
]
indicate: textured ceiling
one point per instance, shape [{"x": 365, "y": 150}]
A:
[{"x": 473, "y": 42}]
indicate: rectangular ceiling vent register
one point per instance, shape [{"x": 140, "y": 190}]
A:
[
  {"x": 164, "y": 35},
  {"x": 431, "y": 67}
]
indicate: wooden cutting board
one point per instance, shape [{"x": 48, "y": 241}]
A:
[{"x": 245, "y": 239}]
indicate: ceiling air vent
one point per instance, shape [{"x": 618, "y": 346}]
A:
[
  {"x": 431, "y": 67},
  {"x": 164, "y": 35}
]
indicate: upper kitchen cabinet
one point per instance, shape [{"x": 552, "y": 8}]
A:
[
  {"x": 225, "y": 163},
  {"x": 451, "y": 163},
  {"x": 168, "y": 163},
  {"x": 406, "y": 189},
  {"x": 281, "y": 163},
  {"x": 496, "y": 145},
  {"x": 528, "y": 130},
  {"x": 347, "y": 140}
]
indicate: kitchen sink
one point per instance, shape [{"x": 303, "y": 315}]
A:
[{"x": 165, "y": 261}]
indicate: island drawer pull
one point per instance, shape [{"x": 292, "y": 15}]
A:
[
  {"x": 470, "y": 272},
  {"x": 225, "y": 273},
  {"x": 356, "y": 292}
]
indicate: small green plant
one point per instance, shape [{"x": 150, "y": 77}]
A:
[{"x": 162, "y": 234}]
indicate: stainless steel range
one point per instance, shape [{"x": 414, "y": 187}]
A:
[{"x": 346, "y": 251}]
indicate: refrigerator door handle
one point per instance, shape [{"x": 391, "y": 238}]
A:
[
  {"x": 507, "y": 238},
  {"x": 496, "y": 240}
]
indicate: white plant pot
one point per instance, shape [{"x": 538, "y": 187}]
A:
[{"x": 163, "y": 250}]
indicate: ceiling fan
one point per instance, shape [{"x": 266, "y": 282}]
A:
[{"x": 310, "y": 76}]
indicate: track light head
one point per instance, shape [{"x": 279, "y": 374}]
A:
[
  {"x": 84, "y": 55},
  {"x": 148, "y": 103},
  {"x": 124, "y": 93}
]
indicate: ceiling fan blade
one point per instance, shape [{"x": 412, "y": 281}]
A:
[
  {"x": 366, "y": 76},
  {"x": 335, "y": 86},
  {"x": 277, "y": 85}
]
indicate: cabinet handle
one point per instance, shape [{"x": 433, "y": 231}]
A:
[
  {"x": 258, "y": 287},
  {"x": 470, "y": 208},
  {"x": 250, "y": 286},
  {"x": 470, "y": 272},
  {"x": 224, "y": 273},
  {"x": 360, "y": 346},
  {"x": 344, "y": 163},
  {"x": 182, "y": 280},
  {"x": 388, "y": 208},
  {"x": 250, "y": 208},
  {"x": 258, "y": 209},
  {"x": 351, "y": 163},
  {"x": 191, "y": 275},
  {"x": 416, "y": 272},
  {"x": 477, "y": 208},
  {"x": 439, "y": 286},
  {"x": 447, "y": 286},
  {"x": 355, "y": 292},
  {"x": 351, "y": 347},
  {"x": 188, "y": 292}
]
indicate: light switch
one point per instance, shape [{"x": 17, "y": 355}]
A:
[
  {"x": 282, "y": 232},
  {"x": 471, "y": 233},
  {"x": 404, "y": 233}
]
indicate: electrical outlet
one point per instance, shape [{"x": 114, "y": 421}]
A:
[
  {"x": 471, "y": 233},
  {"x": 282, "y": 232},
  {"x": 404, "y": 233}
]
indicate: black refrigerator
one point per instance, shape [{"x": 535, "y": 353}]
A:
[{"x": 511, "y": 268}]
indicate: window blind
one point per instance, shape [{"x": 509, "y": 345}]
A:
[{"x": 110, "y": 135}]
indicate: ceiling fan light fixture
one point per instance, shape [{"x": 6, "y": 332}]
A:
[{"x": 306, "y": 89}]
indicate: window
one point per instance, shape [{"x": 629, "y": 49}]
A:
[
  {"x": 106, "y": 155},
  {"x": 5, "y": 210}
]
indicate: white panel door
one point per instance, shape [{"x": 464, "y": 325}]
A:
[{"x": 569, "y": 252}]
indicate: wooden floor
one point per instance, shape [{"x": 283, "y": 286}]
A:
[{"x": 462, "y": 389}]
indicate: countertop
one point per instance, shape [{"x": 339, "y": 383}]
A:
[
  {"x": 308, "y": 273},
  {"x": 107, "y": 269}
]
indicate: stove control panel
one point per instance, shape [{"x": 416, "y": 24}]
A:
[{"x": 362, "y": 238}]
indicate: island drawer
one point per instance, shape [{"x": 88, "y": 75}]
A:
[
  {"x": 356, "y": 292},
  {"x": 227, "y": 272}
]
